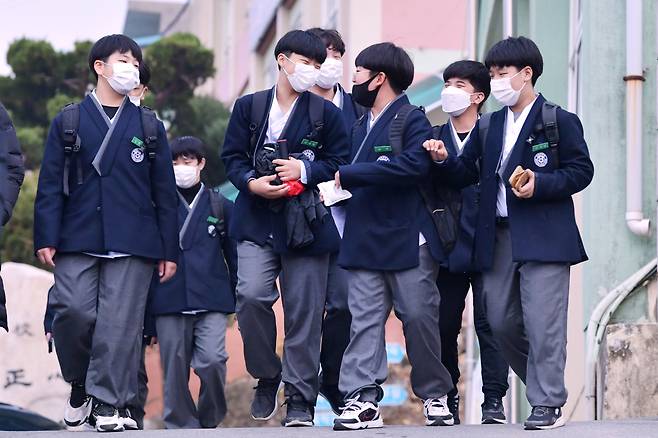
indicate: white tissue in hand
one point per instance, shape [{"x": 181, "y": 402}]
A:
[{"x": 331, "y": 194}]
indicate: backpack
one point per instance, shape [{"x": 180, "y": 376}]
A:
[
  {"x": 548, "y": 125},
  {"x": 443, "y": 203},
  {"x": 259, "y": 105},
  {"x": 71, "y": 124},
  {"x": 216, "y": 221}
]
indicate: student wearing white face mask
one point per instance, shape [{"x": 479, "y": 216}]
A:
[
  {"x": 466, "y": 89},
  {"x": 337, "y": 320},
  {"x": 279, "y": 141},
  {"x": 105, "y": 216},
  {"x": 526, "y": 235},
  {"x": 191, "y": 311}
]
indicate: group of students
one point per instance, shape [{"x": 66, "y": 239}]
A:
[{"x": 140, "y": 247}]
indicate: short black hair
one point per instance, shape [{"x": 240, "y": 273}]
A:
[
  {"x": 302, "y": 42},
  {"x": 518, "y": 52},
  {"x": 106, "y": 46},
  {"x": 391, "y": 60},
  {"x": 187, "y": 146},
  {"x": 144, "y": 74},
  {"x": 331, "y": 38},
  {"x": 474, "y": 72}
]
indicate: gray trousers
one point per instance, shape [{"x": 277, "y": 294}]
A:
[
  {"x": 198, "y": 341},
  {"x": 99, "y": 318},
  {"x": 526, "y": 305},
  {"x": 303, "y": 281},
  {"x": 414, "y": 296}
]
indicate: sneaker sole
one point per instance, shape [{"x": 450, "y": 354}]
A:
[
  {"x": 276, "y": 406},
  {"x": 491, "y": 420},
  {"x": 559, "y": 423},
  {"x": 440, "y": 422},
  {"x": 298, "y": 423},
  {"x": 110, "y": 427},
  {"x": 375, "y": 424}
]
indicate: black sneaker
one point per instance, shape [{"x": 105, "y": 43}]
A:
[
  {"x": 453, "y": 407},
  {"x": 78, "y": 406},
  {"x": 299, "y": 412},
  {"x": 359, "y": 415},
  {"x": 106, "y": 418},
  {"x": 126, "y": 417},
  {"x": 332, "y": 394},
  {"x": 265, "y": 404},
  {"x": 493, "y": 411},
  {"x": 544, "y": 417}
]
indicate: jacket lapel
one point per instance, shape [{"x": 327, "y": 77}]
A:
[
  {"x": 379, "y": 131},
  {"x": 89, "y": 107},
  {"x": 187, "y": 232},
  {"x": 528, "y": 127},
  {"x": 448, "y": 140},
  {"x": 296, "y": 121},
  {"x": 123, "y": 118},
  {"x": 493, "y": 144}
]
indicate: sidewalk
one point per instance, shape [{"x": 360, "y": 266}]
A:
[{"x": 644, "y": 428}]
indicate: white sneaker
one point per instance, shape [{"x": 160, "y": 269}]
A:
[
  {"x": 76, "y": 417},
  {"x": 126, "y": 417},
  {"x": 437, "y": 413},
  {"x": 358, "y": 415},
  {"x": 106, "y": 418}
]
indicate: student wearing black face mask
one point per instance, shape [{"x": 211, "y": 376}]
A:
[{"x": 390, "y": 247}]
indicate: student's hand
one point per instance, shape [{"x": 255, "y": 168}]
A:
[
  {"x": 337, "y": 179},
  {"x": 528, "y": 189},
  {"x": 166, "y": 270},
  {"x": 288, "y": 170},
  {"x": 46, "y": 256},
  {"x": 437, "y": 149},
  {"x": 262, "y": 187}
]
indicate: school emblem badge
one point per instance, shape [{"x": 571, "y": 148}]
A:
[
  {"x": 309, "y": 154},
  {"x": 541, "y": 159},
  {"x": 383, "y": 158},
  {"x": 137, "y": 155}
]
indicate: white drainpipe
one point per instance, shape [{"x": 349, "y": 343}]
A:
[
  {"x": 634, "y": 78},
  {"x": 508, "y": 18}
]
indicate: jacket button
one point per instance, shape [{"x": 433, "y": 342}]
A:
[{"x": 98, "y": 208}]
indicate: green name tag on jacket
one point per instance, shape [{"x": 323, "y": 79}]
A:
[
  {"x": 540, "y": 147},
  {"x": 383, "y": 149},
  {"x": 309, "y": 143},
  {"x": 137, "y": 142}
]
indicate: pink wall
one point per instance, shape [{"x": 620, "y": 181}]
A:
[{"x": 436, "y": 24}]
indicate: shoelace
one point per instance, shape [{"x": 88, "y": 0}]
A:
[
  {"x": 352, "y": 405},
  {"x": 541, "y": 410}
]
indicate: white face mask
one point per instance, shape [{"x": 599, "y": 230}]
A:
[
  {"x": 455, "y": 101},
  {"x": 502, "y": 90},
  {"x": 330, "y": 73},
  {"x": 303, "y": 77},
  {"x": 124, "y": 79},
  {"x": 186, "y": 175},
  {"x": 136, "y": 100}
]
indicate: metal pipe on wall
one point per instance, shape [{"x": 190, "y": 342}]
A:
[
  {"x": 634, "y": 79},
  {"x": 508, "y": 18}
]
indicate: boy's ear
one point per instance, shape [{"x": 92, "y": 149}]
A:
[
  {"x": 98, "y": 67},
  {"x": 202, "y": 163},
  {"x": 479, "y": 97},
  {"x": 380, "y": 79},
  {"x": 528, "y": 73}
]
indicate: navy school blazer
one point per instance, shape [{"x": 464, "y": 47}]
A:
[
  {"x": 253, "y": 219},
  {"x": 349, "y": 110},
  {"x": 207, "y": 266},
  {"x": 130, "y": 209},
  {"x": 461, "y": 258},
  {"x": 386, "y": 212},
  {"x": 543, "y": 228}
]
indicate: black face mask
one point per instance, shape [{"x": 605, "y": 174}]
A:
[{"x": 362, "y": 95}]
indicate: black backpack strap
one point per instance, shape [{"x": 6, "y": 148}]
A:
[
  {"x": 150, "y": 128},
  {"x": 396, "y": 129},
  {"x": 70, "y": 117},
  {"x": 258, "y": 108},
  {"x": 217, "y": 210},
  {"x": 316, "y": 115},
  {"x": 549, "y": 120}
]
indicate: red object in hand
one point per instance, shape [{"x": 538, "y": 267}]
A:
[{"x": 294, "y": 188}]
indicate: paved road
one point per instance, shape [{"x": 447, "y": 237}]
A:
[{"x": 646, "y": 428}]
